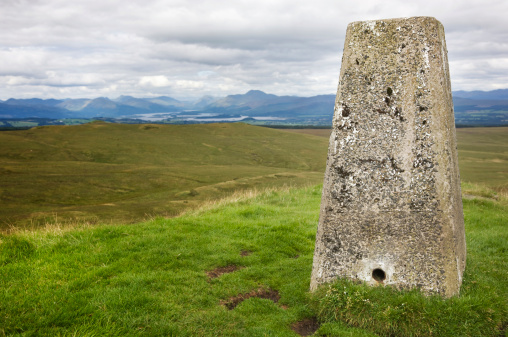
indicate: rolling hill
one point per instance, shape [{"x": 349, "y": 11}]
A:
[{"x": 118, "y": 172}]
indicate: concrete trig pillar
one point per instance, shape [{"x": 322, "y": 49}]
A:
[{"x": 391, "y": 210}]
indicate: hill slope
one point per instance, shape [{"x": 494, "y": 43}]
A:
[{"x": 116, "y": 172}]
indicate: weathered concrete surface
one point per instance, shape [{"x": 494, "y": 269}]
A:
[{"x": 391, "y": 210}]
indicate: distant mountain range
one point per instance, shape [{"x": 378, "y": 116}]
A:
[
  {"x": 87, "y": 108},
  {"x": 481, "y": 108},
  {"x": 471, "y": 108}
]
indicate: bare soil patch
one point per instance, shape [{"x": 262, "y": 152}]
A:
[
  {"x": 245, "y": 253},
  {"x": 269, "y": 294},
  {"x": 305, "y": 327},
  {"x": 222, "y": 270}
]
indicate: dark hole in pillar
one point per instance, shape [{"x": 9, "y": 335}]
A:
[
  {"x": 345, "y": 111},
  {"x": 378, "y": 275},
  {"x": 389, "y": 91}
]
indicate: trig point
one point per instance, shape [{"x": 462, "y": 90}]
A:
[{"x": 391, "y": 210}]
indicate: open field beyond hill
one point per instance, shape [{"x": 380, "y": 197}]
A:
[
  {"x": 115, "y": 173},
  {"x": 483, "y": 156},
  {"x": 119, "y": 173}
]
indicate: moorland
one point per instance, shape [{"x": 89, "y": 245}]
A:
[{"x": 116, "y": 173}]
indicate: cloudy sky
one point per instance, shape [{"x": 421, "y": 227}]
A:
[{"x": 187, "y": 49}]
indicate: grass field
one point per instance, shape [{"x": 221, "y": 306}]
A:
[
  {"x": 239, "y": 268},
  {"x": 483, "y": 156},
  {"x": 120, "y": 173}
]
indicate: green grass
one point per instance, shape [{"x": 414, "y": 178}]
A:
[
  {"x": 118, "y": 173},
  {"x": 151, "y": 278}
]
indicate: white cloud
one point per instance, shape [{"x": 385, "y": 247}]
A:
[
  {"x": 185, "y": 84},
  {"x": 155, "y": 81}
]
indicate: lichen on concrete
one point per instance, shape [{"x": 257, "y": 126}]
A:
[{"x": 391, "y": 202}]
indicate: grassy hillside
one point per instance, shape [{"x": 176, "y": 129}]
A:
[
  {"x": 240, "y": 268},
  {"x": 102, "y": 172},
  {"x": 483, "y": 156}
]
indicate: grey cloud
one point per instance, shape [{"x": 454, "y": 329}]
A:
[{"x": 59, "y": 48}]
